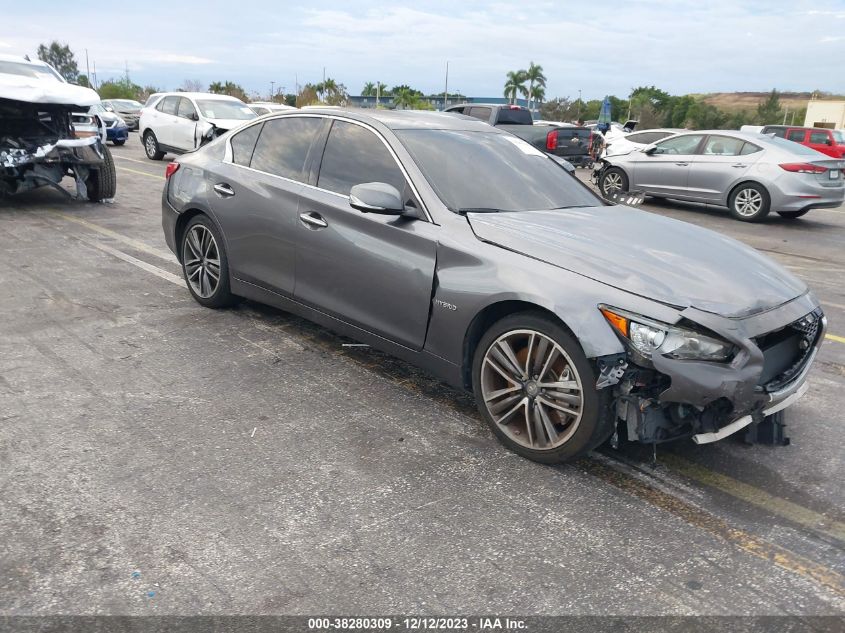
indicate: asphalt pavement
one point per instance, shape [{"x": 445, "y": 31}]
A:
[{"x": 157, "y": 457}]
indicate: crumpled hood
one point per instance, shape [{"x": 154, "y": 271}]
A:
[
  {"x": 228, "y": 124},
  {"x": 649, "y": 255},
  {"x": 32, "y": 90}
]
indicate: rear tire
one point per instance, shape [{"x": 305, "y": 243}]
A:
[
  {"x": 119, "y": 142},
  {"x": 793, "y": 215},
  {"x": 102, "y": 181},
  {"x": 524, "y": 403},
  {"x": 749, "y": 202},
  {"x": 204, "y": 258},
  {"x": 613, "y": 181},
  {"x": 151, "y": 148}
]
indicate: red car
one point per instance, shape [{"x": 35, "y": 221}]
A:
[{"x": 830, "y": 142}]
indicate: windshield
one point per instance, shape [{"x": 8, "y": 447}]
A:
[
  {"x": 224, "y": 109},
  {"x": 127, "y": 104},
  {"x": 839, "y": 135},
  {"x": 38, "y": 71},
  {"x": 486, "y": 171}
]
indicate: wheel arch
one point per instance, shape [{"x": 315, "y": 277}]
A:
[
  {"x": 182, "y": 222},
  {"x": 745, "y": 181},
  {"x": 489, "y": 315}
]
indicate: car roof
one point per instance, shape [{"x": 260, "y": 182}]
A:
[
  {"x": 195, "y": 95},
  {"x": 410, "y": 119}
]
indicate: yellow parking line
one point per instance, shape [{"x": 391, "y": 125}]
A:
[
  {"x": 143, "y": 173},
  {"x": 781, "y": 507},
  {"x": 833, "y": 337},
  {"x": 137, "y": 245}
]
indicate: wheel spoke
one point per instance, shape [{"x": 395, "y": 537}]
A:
[
  {"x": 500, "y": 371},
  {"x": 554, "y": 405},
  {"x": 535, "y": 421},
  {"x": 493, "y": 395},
  {"x": 528, "y": 354},
  {"x": 569, "y": 398},
  {"x": 564, "y": 384},
  {"x": 509, "y": 359},
  {"x": 521, "y": 402},
  {"x": 552, "y": 355},
  {"x": 551, "y": 432},
  {"x": 542, "y": 348}
]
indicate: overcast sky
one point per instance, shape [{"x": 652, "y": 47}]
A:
[{"x": 601, "y": 47}]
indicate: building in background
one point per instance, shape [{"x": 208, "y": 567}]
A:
[
  {"x": 435, "y": 100},
  {"x": 828, "y": 114}
]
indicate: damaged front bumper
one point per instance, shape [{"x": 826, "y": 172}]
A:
[
  {"x": 664, "y": 398},
  {"x": 23, "y": 169}
]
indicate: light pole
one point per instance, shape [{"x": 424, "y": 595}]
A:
[
  {"x": 272, "y": 89},
  {"x": 578, "y": 116}
]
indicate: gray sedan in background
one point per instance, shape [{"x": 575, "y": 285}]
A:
[
  {"x": 751, "y": 174},
  {"x": 465, "y": 250}
]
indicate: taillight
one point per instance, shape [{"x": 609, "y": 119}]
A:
[
  {"x": 803, "y": 168},
  {"x": 551, "y": 140},
  {"x": 171, "y": 169}
]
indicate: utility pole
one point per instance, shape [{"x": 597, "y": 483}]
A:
[
  {"x": 126, "y": 66},
  {"x": 785, "y": 113},
  {"x": 378, "y": 93},
  {"x": 324, "y": 74},
  {"x": 95, "y": 74},
  {"x": 578, "y": 116},
  {"x": 272, "y": 88},
  {"x": 87, "y": 68},
  {"x": 446, "y": 88}
]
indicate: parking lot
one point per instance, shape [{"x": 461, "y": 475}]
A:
[{"x": 159, "y": 457}]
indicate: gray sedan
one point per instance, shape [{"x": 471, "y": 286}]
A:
[
  {"x": 751, "y": 174},
  {"x": 466, "y": 251}
]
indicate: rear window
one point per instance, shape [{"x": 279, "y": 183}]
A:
[
  {"x": 520, "y": 116},
  {"x": 243, "y": 143},
  {"x": 795, "y": 148}
]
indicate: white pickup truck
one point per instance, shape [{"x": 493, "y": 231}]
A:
[{"x": 47, "y": 134}]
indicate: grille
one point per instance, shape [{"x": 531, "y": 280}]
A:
[{"x": 786, "y": 351}]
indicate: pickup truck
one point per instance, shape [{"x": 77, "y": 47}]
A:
[{"x": 569, "y": 142}]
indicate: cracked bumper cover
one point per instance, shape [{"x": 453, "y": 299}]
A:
[{"x": 701, "y": 384}]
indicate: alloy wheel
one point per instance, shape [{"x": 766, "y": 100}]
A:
[
  {"x": 202, "y": 261},
  {"x": 150, "y": 145},
  {"x": 612, "y": 183},
  {"x": 748, "y": 202},
  {"x": 532, "y": 389}
]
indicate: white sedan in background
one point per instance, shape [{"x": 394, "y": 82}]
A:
[{"x": 637, "y": 140}]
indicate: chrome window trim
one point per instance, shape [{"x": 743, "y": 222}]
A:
[{"x": 227, "y": 155}]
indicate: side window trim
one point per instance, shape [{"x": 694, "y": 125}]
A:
[{"x": 321, "y": 144}]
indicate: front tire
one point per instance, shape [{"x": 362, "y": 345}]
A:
[
  {"x": 613, "y": 181},
  {"x": 120, "y": 142},
  {"x": 535, "y": 388},
  {"x": 101, "y": 183},
  {"x": 749, "y": 202},
  {"x": 205, "y": 265},
  {"x": 151, "y": 148}
]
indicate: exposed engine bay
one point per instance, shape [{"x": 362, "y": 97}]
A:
[{"x": 42, "y": 143}]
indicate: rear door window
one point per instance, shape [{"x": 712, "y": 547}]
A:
[
  {"x": 243, "y": 144},
  {"x": 355, "y": 155},
  {"x": 168, "y": 105},
  {"x": 283, "y": 145},
  {"x": 796, "y": 136},
  {"x": 723, "y": 146}
]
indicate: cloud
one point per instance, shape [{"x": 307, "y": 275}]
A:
[{"x": 172, "y": 58}]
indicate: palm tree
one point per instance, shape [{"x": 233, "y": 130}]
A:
[
  {"x": 369, "y": 90},
  {"x": 514, "y": 83},
  {"x": 538, "y": 93},
  {"x": 404, "y": 98},
  {"x": 534, "y": 75}
]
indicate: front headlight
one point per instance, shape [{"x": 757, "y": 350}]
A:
[
  {"x": 650, "y": 337},
  {"x": 120, "y": 122}
]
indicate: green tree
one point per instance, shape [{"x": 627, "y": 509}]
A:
[
  {"x": 228, "y": 88},
  {"x": 513, "y": 83},
  {"x": 60, "y": 57},
  {"x": 396, "y": 89},
  {"x": 82, "y": 80},
  {"x": 559, "y": 109},
  {"x": 534, "y": 75},
  {"x": 769, "y": 110},
  {"x": 538, "y": 94},
  {"x": 369, "y": 89},
  {"x": 121, "y": 88},
  {"x": 644, "y": 95},
  {"x": 405, "y": 98},
  {"x": 307, "y": 96}
]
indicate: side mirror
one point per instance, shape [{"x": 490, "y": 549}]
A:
[
  {"x": 651, "y": 149},
  {"x": 109, "y": 108},
  {"x": 376, "y": 197},
  {"x": 194, "y": 116},
  {"x": 829, "y": 141}
]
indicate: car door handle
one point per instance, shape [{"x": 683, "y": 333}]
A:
[
  {"x": 224, "y": 190},
  {"x": 682, "y": 164},
  {"x": 314, "y": 220},
  {"x": 739, "y": 165}
]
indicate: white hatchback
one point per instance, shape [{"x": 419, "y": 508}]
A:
[{"x": 178, "y": 122}]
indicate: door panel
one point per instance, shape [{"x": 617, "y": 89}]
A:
[
  {"x": 374, "y": 271},
  {"x": 165, "y": 120},
  {"x": 258, "y": 222},
  {"x": 666, "y": 170},
  {"x": 184, "y": 128},
  {"x": 717, "y": 167}
]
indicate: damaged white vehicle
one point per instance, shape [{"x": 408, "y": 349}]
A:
[{"x": 46, "y": 133}]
